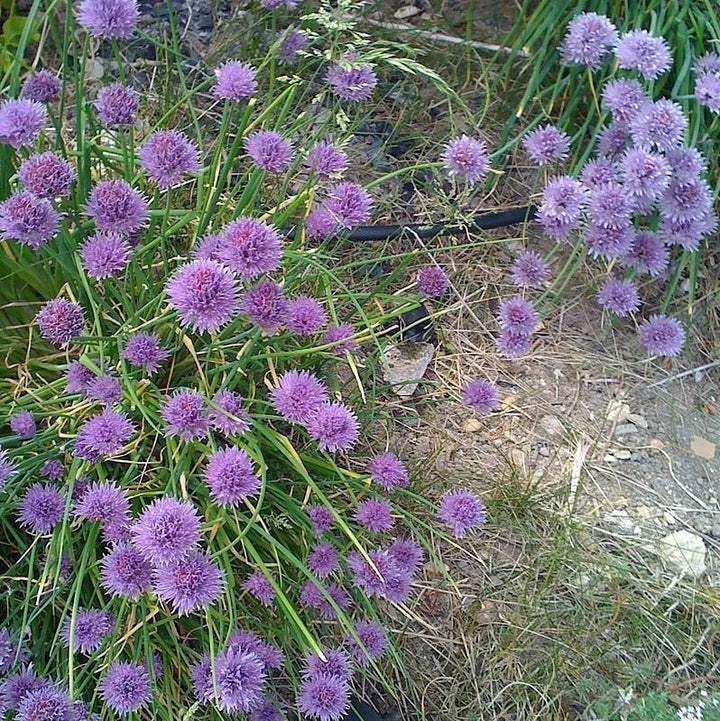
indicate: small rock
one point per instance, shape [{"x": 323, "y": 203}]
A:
[
  {"x": 656, "y": 443},
  {"x": 622, "y": 454},
  {"x": 669, "y": 518},
  {"x": 404, "y": 365},
  {"x": 683, "y": 552},
  {"x": 94, "y": 69},
  {"x": 544, "y": 451},
  {"x": 406, "y": 11},
  {"x": 618, "y": 412},
  {"x": 552, "y": 426},
  {"x": 472, "y": 425},
  {"x": 518, "y": 459},
  {"x": 702, "y": 448},
  {"x": 622, "y": 520},
  {"x": 623, "y": 429},
  {"x": 637, "y": 420}
]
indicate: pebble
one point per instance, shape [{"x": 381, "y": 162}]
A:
[
  {"x": 618, "y": 411},
  {"x": 638, "y": 420},
  {"x": 552, "y": 426},
  {"x": 622, "y": 454},
  {"x": 683, "y": 552},
  {"x": 623, "y": 429},
  {"x": 406, "y": 11},
  {"x": 404, "y": 365}
]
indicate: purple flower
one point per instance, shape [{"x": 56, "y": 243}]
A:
[
  {"x": 461, "y": 511},
  {"x": 336, "y": 663},
  {"x": 321, "y": 518},
  {"x": 46, "y": 175},
  {"x": 266, "y": 712},
  {"x": 235, "y": 81},
  {"x": 707, "y": 63},
  {"x": 352, "y": 83},
  {"x": 258, "y": 585},
  {"x": 686, "y": 199},
  {"x": 298, "y": 396},
  {"x": 660, "y": 124},
  {"x": 638, "y": 50},
  {"x": 166, "y": 530},
  {"x": 688, "y": 233},
  {"x": 513, "y": 345},
  {"x": 326, "y": 160},
  {"x": 41, "y": 508},
  {"x": 686, "y": 163},
  {"x": 126, "y": 686},
  {"x": 229, "y": 417},
  {"x": 124, "y": 571},
  {"x": 202, "y": 680},
  {"x": 619, "y": 296},
  {"x": 116, "y": 105},
  {"x": 466, "y": 159},
  {"x": 78, "y": 376},
  {"x": 60, "y": 321},
  {"x": 166, "y": 156},
  {"x": 116, "y": 207},
  {"x": 295, "y": 41},
  {"x": 105, "y": 255},
  {"x": 105, "y": 502},
  {"x": 229, "y": 476},
  {"x": 645, "y": 175},
  {"x": 47, "y": 703},
  {"x": 269, "y": 151},
  {"x": 623, "y": 98},
  {"x": 22, "y": 424},
  {"x": 247, "y": 642},
  {"x": 239, "y": 677},
  {"x": 546, "y": 144},
  {"x": 20, "y": 122},
  {"x": 407, "y": 555},
  {"x": 13, "y": 689},
  {"x": 91, "y": 628},
  {"x": 373, "y": 642},
  {"x": 529, "y": 270},
  {"x": 609, "y": 206},
  {"x": 334, "y": 426},
  {"x": 341, "y": 337},
  {"x": 375, "y": 515},
  {"x": 481, "y": 395},
  {"x": 144, "y": 351},
  {"x": 612, "y": 140},
  {"x": 7, "y": 469},
  {"x": 266, "y": 306},
  {"x": 42, "y": 87},
  {"x": 322, "y": 559},
  {"x": 589, "y": 36},
  {"x": 563, "y": 201},
  {"x": 349, "y": 204},
  {"x": 384, "y": 578},
  {"x": 662, "y": 336},
  {"x": 608, "y": 242},
  {"x": 599, "y": 172},
  {"x": 192, "y": 582},
  {"x": 102, "y": 435},
  {"x": 52, "y": 470},
  {"x": 432, "y": 281},
  {"x": 517, "y": 315},
  {"x": 305, "y": 316},
  {"x": 324, "y": 697},
  {"x": 28, "y": 219},
  {"x": 249, "y": 247},
  {"x": 387, "y": 470},
  {"x": 648, "y": 254},
  {"x": 272, "y": 4},
  {"x": 208, "y": 248},
  {"x": 319, "y": 224},
  {"x": 204, "y": 294}
]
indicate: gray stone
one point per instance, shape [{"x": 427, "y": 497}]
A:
[
  {"x": 404, "y": 365},
  {"x": 683, "y": 552}
]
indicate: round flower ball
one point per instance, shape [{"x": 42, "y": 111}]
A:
[
  {"x": 432, "y": 281},
  {"x": 305, "y": 316},
  {"x": 662, "y": 336},
  {"x": 166, "y": 156},
  {"x": 269, "y": 151},
  {"x": 28, "y": 219},
  {"x": 235, "y": 81},
  {"x": 189, "y": 583},
  {"x": 461, "y": 511},
  {"x": 46, "y": 175},
  {"x": 352, "y": 83},
  {"x": 21, "y": 122},
  {"x": 116, "y": 105},
  {"x": 41, "y": 508},
  {"x": 249, "y": 247},
  {"x": 388, "y": 471},
  {"x": 124, "y": 571},
  {"x": 116, "y": 207},
  {"x": 60, "y": 321},
  {"x": 42, "y": 87},
  {"x": 481, "y": 395},
  {"x": 105, "y": 255},
  {"x": 109, "y": 18},
  {"x": 22, "y": 424},
  {"x": 125, "y": 687},
  {"x": 298, "y": 396},
  {"x": 102, "y": 435},
  {"x": 184, "y": 415},
  {"x": 230, "y": 476},
  {"x": 466, "y": 159},
  {"x": 334, "y": 427}
]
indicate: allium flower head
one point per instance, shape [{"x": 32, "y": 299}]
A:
[
  {"x": 372, "y": 639},
  {"x": 269, "y": 151},
  {"x": 619, "y": 296},
  {"x": 387, "y": 471},
  {"x": 229, "y": 417},
  {"x": 105, "y": 255},
  {"x": 686, "y": 163},
  {"x": 707, "y": 91},
  {"x": 407, "y": 554},
  {"x": 52, "y": 470},
  {"x": 319, "y": 224},
  {"x": 480, "y": 395},
  {"x": 192, "y": 582},
  {"x": 461, "y": 511},
  {"x": 42, "y": 87},
  {"x": 257, "y": 585},
  {"x": 334, "y": 426},
  {"x": 166, "y": 156},
  {"x": 686, "y": 199},
  {"x": 125, "y": 571},
  {"x": 266, "y": 711},
  {"x": 92, "y": 626},
  {"x": 609, "y": 206},
  {"x": 323, "y": 697},
  {"x": 103, "y": 435},
  {"x": 292, "y": 44},
  {"x": 312, "y": 597},
  {"x": 126, "y": 686},
  {"x": 513, "y": 345},
  {"x": 144, "y": 351},
  {"x": 639, "y": 50},
  {"x": 529, "y": 270},
  {"x": 166, "y": 530},
  {"x": 22, "y": 424},
  {"x": 298, "y": 396},
  {"x": 466, "y": 159},
  {"x": 589, "y": 37},
  {"x": 623, "y": 98},
  {"x": 608, "y": 243},
  {"x": 41, "y": 508},
  {"x": 248, "y": 642},
  {"x": 116, "y": 207},
  {"x": 230, "y": 476},
  {"x": 266, "y": 306},
  {"x": 109, "y": 18},
  {"x": 326, "y": 160},
  {"x": 648, "y": 254},
  {"x": 249, "y": 247},
  {"x": 103, "y": 501},
  {"x": 352, "y": 83},
  {"x": 660, "y": 124},
  {"x": 14, "y": 688},
  {"x": 384, "y": 578},
  {"x": 20, "y": 122},
  {"x": 60, "y": 321},
  {"x": 662, "y": 336},
  {"x": 599, "y": 172},
  {"x": 518, "y": 316},
  {"x": 375, "y": 515},
  {"x": 28, "y": 219},
  {"x": 321, "y": 518},
  {"x": 432, "y": 281},
  {"x": 46, "y": 703},
  {"x": 46, "y": 175},
  {"x": 645, "y": 174},
  {"x": 305, "y": 316},
  {"x": 7, "y": 468},
  {"x": 688, "y": 233},
  {"x": 341, "y": 336},
  {"x": 239, "y": 677},
  {"x": 208, "y": 248},
  {"x": 322, "y": 559},
  {"x": 204, "y": 294},
  {"x": 707, "y": 63},
  {"x": 546, "y": 144},
  {"x": 612, "y": 140},
  {"x": 116, "y": 105},
  {"x": 202, "y": 680},
  {"x": 235, "y": 81},
  {"x": 78, "y": 376},
  {"x": 349, "y": 204},
  {"x": 562, "y": 204}
]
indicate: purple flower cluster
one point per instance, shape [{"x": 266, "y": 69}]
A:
[
  {"x": 102, "y": 435},
  {"x": 619, "y": 296},
  {"x": 249, "y": 247},
  {"x": 22, "y": 424},
  {"x": 88, "y": 629},
  {"x": 105, "y": 254},
  {"x": 481, "y": 395},
  {"x": 144, "y": 351},
  {"x": 116, "y": 207},
  {"x": 432, "y": 281},
  {"x": 116, "y": 105},
  {"x": 166, "y": 156},
  {"x": 21, "y": 122},
  {"x": 29, "y": 219},
  {"x": 235, "y": 81},
  {"x": 461, "y": 511},
  {"x": 109, "y": 18},
  {"x": 639, "y": 50},
  {"x": 707, "y": 83},
  {"x": 589, "y": 37},
  {"x": 466, "y": 159},
  {"x": 60, "y": 320},
  {"x": 529, "y": 270},
  {"x": 518, "y": 321},
  {"x": 126, "y": 687},
  {"x": 269, "y": 151},
  {"x": 266, "y": 306},
  {"x": 325, "y": 160},
  {"x": 46, "y": 176},
  {"x": 230, "y": 476},
  {"x": 352, "y": 82},
  {"x": 546, "y": 144},
  {"x": 563, "y": 202},
  {"x": 42, "y": 87}
]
